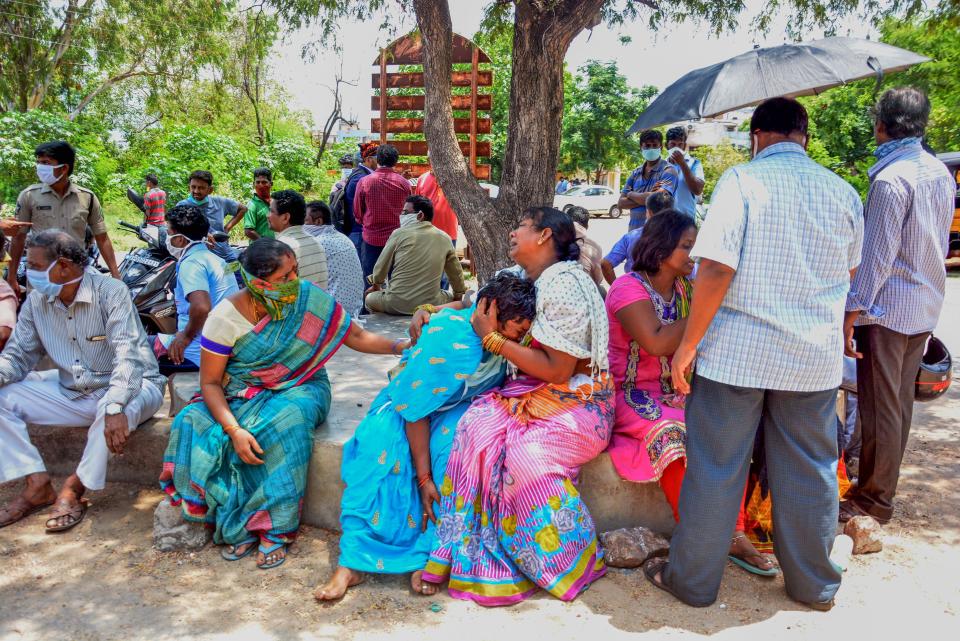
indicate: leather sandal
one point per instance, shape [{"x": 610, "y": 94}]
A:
[
  {"x": 76, "y": 512},
  {"x": 19, "y": 509}
]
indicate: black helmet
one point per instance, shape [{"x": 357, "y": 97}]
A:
[
  {"x": 346, "y": 160},
  {"x": 936, "y": 370}
]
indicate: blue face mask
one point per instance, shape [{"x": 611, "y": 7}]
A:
[
  {"x": 651, "y": 154},
  {"x": 194, "y": 201},
  {"x": 40, "y": 281}
]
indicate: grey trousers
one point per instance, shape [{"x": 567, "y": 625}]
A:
[{"x": 800, "y": 439}]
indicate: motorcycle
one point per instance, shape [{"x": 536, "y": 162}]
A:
[{"x": 150, "y": 273}]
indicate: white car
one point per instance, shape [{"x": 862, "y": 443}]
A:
[{"x": 597, "y": 199}]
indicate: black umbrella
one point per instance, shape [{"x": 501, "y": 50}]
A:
[{"x": 801, "y": 69}]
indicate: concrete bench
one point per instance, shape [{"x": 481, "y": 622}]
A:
[{"x": 356, "y": 380}]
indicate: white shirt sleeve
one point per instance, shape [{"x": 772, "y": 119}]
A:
[{"x": 721, "y": 236}]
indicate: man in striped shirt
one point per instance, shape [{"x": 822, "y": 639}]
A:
[
  {"x": 106, "y": 377},
  {"x": 288, "y": 213},
  {"x": 154, "y": 201},
  {"x": 896, "y": 297}
]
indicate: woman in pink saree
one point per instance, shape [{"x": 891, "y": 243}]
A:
[{"x": 511, "y": 520}]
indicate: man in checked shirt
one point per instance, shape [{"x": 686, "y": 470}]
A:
[
  {"x": 106, "y": 377},
  {"x": 896, "y": 297},
  {"x": 377, "y": 206}
]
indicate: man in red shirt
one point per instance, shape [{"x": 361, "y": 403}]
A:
[
  {"x": 154, "y": 201},
  {"x": 377, "y": 205}
]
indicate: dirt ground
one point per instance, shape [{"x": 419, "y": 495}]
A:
[{"x": 104, "y": 580}]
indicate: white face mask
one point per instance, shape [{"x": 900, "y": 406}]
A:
[
  {"x": 408, "y": 219},
  {"x": 46, "y": 173},
  {"x": 177, "y": 252}
]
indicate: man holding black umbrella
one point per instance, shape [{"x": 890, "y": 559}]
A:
[{"x": 777, "y": 253}]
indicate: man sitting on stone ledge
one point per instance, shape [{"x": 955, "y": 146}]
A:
[
  {"x": 415, "y": 257},
  {"x": 106, "y": 377}
]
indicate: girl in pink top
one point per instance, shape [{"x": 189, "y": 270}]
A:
[{"x": 648, "y": 310}]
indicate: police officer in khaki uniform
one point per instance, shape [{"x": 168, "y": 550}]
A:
[{"x": 57, "y": 203}]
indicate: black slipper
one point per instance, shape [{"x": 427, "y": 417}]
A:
[{"x": 657, "y": 566}]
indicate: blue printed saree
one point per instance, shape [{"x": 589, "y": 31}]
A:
[{"x": 381, "y": 511}]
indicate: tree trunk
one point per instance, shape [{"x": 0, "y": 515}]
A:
[{"x": 541, "y": 39}]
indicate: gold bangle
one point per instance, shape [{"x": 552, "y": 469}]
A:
[
  {"x": 494, "y": 342},
  {"x": 430, "y": 309},
  {"x": 230, "y": 429}
]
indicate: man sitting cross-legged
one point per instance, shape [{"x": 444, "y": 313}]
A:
[
  {"x": 412, "y": 262},
  {"x": 106, "y": 377}
]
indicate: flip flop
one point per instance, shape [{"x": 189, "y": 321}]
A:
[
  {"x": 752, "y": 569},
  {"x": 657, "y": 566},
  {"x": 23, "y": 512},
  {"x": 267, "y": 551},
  {"x": 78, "y": 512},
  {"x": 227, "y": 555}
]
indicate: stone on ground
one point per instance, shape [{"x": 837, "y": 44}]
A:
[
  {"x": 631, "y": 547},
  {"x": 866, "y": 533},
  {"x": 172, "y": 533}
]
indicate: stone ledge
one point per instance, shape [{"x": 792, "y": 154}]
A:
[{"x": 356, "y": 380}]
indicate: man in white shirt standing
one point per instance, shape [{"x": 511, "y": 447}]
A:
[{"x": 766, "y": 329}]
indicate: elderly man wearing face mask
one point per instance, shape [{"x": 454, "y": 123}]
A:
[
  {"x": 105, "y": 377},
  {"x": 56, "y": 202},
  {"x": 202, "y": 282}
]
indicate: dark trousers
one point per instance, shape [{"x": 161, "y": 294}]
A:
[
  {"x": 166, "y": 366},
  {"x": 368, "y": 259},
  {"x": 885, "y": 387},
  {"x": 800, "y": 445}
]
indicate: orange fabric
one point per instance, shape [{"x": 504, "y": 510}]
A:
[
  {"x": 759, "y": 510},
  {"x": 444, "y": 218}
]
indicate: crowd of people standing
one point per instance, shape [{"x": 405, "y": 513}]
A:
[{"x": 720, "y": 345}]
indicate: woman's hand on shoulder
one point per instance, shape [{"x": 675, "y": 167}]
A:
[{"x": 246, "y": 447}]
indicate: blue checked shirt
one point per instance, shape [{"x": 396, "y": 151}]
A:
[
  {"x": 900, "y": 284},
  {"x": 792, "y": 230},
  {"x": 663, "y": 171}
]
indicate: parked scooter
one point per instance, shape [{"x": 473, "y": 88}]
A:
[{"x": 150, "y": 273}]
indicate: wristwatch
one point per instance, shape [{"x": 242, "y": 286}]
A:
[{"x": 114, "y": 408}]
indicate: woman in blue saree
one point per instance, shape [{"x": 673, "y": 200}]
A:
[
  {"x": 387, "y": 510},
  {"x": 238, "y": 454}
]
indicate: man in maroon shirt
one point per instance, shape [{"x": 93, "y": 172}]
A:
[{"x": 377, "y": 206}]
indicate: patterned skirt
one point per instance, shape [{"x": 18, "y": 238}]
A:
[
  {"x": 511, "y": 519},
  {"x": 203, "y": 473}
]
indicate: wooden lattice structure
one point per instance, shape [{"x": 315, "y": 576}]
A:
[{"x": 395, "y": 95}]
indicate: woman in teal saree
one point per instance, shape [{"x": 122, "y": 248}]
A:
[
  {"x": 404, "y": 441},
  {"x": 238, "y": 454}
]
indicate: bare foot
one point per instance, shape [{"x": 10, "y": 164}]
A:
[
  {"x": 342, "y": 580},
  {"x": 420, "y": 586},
  {"x": 742, "y": 548}
]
